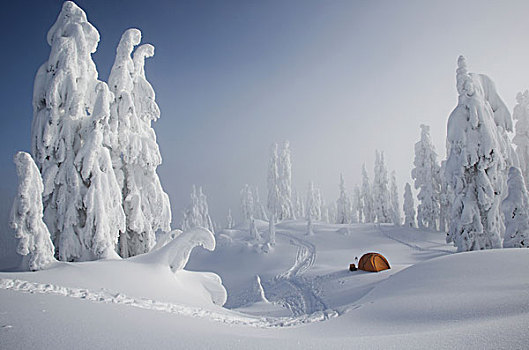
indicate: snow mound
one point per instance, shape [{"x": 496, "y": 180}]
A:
[
  {"x": 477, "y": 286},
  {"x": 157, "y": 275},
  {"x": 175, "y": 254}
]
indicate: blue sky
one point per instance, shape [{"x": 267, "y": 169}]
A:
[{"x": 338, "y": 79}]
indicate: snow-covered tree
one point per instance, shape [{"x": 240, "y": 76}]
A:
[
  {"x": 332, "y": 212},
  {"x": 515, "y": 208},
  {"x": 521, "y": 138},
  {"x": 381, "y": 197},
  {"x": 310, "y": 226},
  {"x": 63, "y": 97},
  {"x": 135, "y": 152},
  {"x": 325, "y": 214},
  {"x": 313, "y": 204},
  {"x": 197, "y": 213},
  {"x": 445, "y": 200},
  {"x": 34, "y": 241},
  {"x": 318, "y": 202},
  {"x": 427, "y": 181},
  {"x": 273, "y": 193},
  {"x": 313, "y": 209},
  {"x": 395, "y": 205},
  {"x": 367, "y": 197},
  {"x": 343, "y": 205},
  {"x": 229, "y": 220},
  {"x": 204, "y": 211},
  {"x": 247, "y": 204},
  {"x": 284, "y": 169},
  {"x": 409, "y": 207},
  {"x": 299, "y": 205},
  {"x": 104, "y": 217},
  {"x": 259, "y": 211},
  {"x": 254, "y": 232},
  {"x": 358, "y": 203},
  {"x": 478, "y": 159}
]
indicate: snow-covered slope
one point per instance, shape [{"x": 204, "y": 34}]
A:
[{"x": 303, "y": 298}]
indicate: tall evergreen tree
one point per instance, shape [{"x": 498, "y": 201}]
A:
[
  {"x": 478, "y": 158},
  {"x": 259, "y": 210},
  {"x": 521, "y": 138},
  {"x": 104, "y": 216},
  {"x": 273, "y": 194},
  {"x": 409, "y": 207},
  {"x": 312, "y": 207},
  {"x": 229, "y": 220},
  {"x": 135, "y": 152},
  {"x": 247, "y": 204},
  {"x": 63, "y": 96},
  {"x": 343, "y": 205},
  {"x": 367, "y": 197},
  {"x": 381, "y": 197},
  {"x": 395, "y": 206},
  {"x": 359, "y": 204},
  {"x": 284, "y": 184},
  {"x": 34, "y": 242},
  {"x": 427, "y": 181},
  {"x": 515, "y": 208}
]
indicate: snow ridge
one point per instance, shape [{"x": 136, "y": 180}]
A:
[{"x": 109, "y": 297}]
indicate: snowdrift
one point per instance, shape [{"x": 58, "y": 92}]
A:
[
  {"x": 479, "y": 285},
  {"x": 157, "y": 275}
]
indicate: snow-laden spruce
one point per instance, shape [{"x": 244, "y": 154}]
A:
[
  {"x": 299, "y": 205},
  {"x": 324, "y": 215},
  {"x": 521, "y": 138},
  {"x": 259, "y": 211},
  {"x": 284, "y": 169},
  {"x": 104, "y": 217},
  {"x": 343, "y": 205},
  {"x": 135, "y": 152},
  {"x": 427, "y": 180},
  {"x": 445, "y": 200},
  {"x": 358, "y": 204},
  {"x": 34, "y": 241},
  {"x": 381, "y": 197},
  {"x": 395, "y": 206},
  {"x": 229, "y": 220},
  {"x": 63, "y": 97},
  {"x": 478, "y": 159},
  {"x": 408, "y": 207},
  {"x": 515, "y": 209},
  {"x": 313, "y": 209},
  {"x": 367, "y": 197},
  {"x": 247, "y": 204},
  {"x": 273, "y": 194},
  {"x": 197, "y": 213}
]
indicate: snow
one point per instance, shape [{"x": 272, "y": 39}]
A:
[{"x": 299, "y": 295}]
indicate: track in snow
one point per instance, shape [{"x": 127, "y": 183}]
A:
[
  {"x": 291, "y": 289},
  {"x": 412, "y": 246},
  {"x": 108, "y": 297}
]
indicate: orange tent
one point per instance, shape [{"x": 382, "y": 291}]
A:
[{"x": 373, "y": 262}]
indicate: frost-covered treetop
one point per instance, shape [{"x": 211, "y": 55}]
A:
[
  {"x": 121, "y": 78},
  {"x": 463, "y": 79},
  {"x": 144, "y": 96},
  {"x": 466, "y": 87},
  {"x": 141, "y": 53},
  {"x": 67, "y": 23}
]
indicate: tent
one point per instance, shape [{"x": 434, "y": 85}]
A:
[{"x": 373, "y": 262}]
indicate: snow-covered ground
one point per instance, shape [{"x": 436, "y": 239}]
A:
[{"x": 299, "y": 295}]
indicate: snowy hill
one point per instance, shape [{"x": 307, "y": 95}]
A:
[{"x": 304, "y": 298}]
